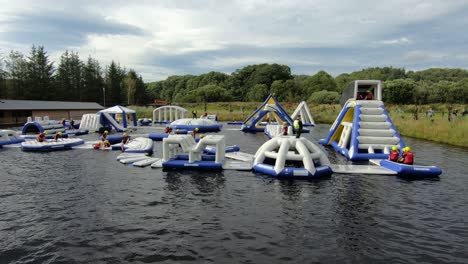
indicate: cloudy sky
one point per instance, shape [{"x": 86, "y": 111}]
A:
[{"x": 161, "y": 38}]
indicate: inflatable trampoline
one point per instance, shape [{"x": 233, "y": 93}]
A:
[
  {"x": 203, "y": 125},
  {"x": 61, "y": 144},
  {"x": 139, "y": 145}
]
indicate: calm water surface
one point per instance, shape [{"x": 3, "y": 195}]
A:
[{"x": 82, "y": 206}]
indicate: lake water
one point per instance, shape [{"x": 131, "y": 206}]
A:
[{"x": 82, "y": 206}]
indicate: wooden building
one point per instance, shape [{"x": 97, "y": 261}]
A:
[{"x": 16, "y": 112}]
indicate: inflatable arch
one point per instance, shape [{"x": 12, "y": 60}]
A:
[
  {"x": 272, "y": 109},
  {"x": 168, "y": 113},
  {"x": 306, "y": 117}
]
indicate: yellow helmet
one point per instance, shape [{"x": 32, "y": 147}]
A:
[
  {"x": 60, "y": 133},
  {"x": 394, "y": 148},
  {"x": 284, "y": 123},
  {"x": 196, "y": 129},
  {"x": 106, "y": 132},
  {"x": 408, "y": 149},
  {"x": 45, "y": 132},
  {"x": 124, "y": 134},
  {"x": 202, "y": 136}
]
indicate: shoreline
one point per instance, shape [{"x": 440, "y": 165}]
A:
[{"x": 440, "y": 131}]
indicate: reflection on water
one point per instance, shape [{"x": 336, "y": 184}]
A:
[{"x": 84, "y": 207}]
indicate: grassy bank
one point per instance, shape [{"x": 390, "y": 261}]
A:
[{"x": 441, "y": 130}]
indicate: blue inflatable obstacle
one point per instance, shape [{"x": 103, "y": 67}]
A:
[
  {"x": 203, "y": 125},
  {"x": 212, "y": 150},
  {"x": 415, "y": 171},
  {"x": 270, "y": 111},
  {"x": 291, "y": 157},
  {"x": 363, "y": 129},
  {"x": 144, "y": 121}
]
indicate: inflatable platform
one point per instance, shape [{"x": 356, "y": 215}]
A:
[
  {"x": 203, "y": 125},
  {"x": 51, "y": 145},
  {"x": 8, "y": 137}
]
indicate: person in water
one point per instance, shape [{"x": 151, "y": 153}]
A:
[
  {"x": 168, "y": 130},
  {"x": 41, "y": 137},
  {"x": 407, "y": 157},
  {"x": 106, "y": 143},
  {"x": 298, "y": 126},
  {"x": 57, "y": 136},
  {"x": 285, "y": 129},
  {"x": 394, "y": 154}
]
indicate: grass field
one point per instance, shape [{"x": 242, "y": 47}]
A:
[{"x": 440, "y": 130}]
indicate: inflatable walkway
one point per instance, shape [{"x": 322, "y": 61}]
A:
[{"x": 363, "y": 129}]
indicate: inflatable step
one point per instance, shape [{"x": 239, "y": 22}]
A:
[
  {"x": 371, "y": 111},
  {"x": 378, "y": 140},
  {"x": 373, "y": 118},
  {"x": 376, "y": 132},
  {"x": 375, "y": 146},
  {"x": 145, "y": 162},
  {"x": 374, "y": 125},
  {"x": 369, "y": 104}
]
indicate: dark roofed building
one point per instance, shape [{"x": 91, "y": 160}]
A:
[{"x": 16, "y": 112}]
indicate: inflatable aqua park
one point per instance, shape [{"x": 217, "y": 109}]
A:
[
  {"x": 291, "y": 157},
  {"x": 270, "y": 112}
]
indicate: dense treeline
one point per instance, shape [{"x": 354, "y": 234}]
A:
[
  {"x": 255, "y": 82},
  {"x": 35, "y": 77}
]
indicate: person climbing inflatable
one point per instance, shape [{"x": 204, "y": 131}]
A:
[
  {"x": 394, "y": 154},
  {"x": 168, "y": 130},
  {"x": 125, "y": 140},
  {"x": 41, "y": 136},
  {"x": 194, "y": 132},
  {"x": 104, "y": 135}
]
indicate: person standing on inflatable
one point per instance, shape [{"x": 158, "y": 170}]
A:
[
  {"x": 285, "y": 129},
  {"x": 394, "y": 154},
  {"x": 72, "y": 124},
  {"x": 298, "y": 126}
]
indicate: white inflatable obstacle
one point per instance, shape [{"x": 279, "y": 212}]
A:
[
  {"x": 277, "y": 130},
  {"x": 306, "y": 117},
  {"x": 90, "y": 122},
  {"x": 168, "y": 113},
  {"x": 288, "y": 156}
]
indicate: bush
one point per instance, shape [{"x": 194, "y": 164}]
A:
[{"x": 325, "y": 97}]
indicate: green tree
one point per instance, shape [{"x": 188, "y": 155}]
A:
[
  {"x": 39, "y": 75},
  {"x": 93, "y": 83},
  {"x": 113, "y": 80},
  {"x": 399, "y": 91},
  {"x": 16, "y": 67},
  {"x": 130, "y": 83},
  {"x": 258, "y": 93},
  {"x": 69, "y": 78},
  {"x": 325, "y": 97},
  {"x": 320, "y": 81}
]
